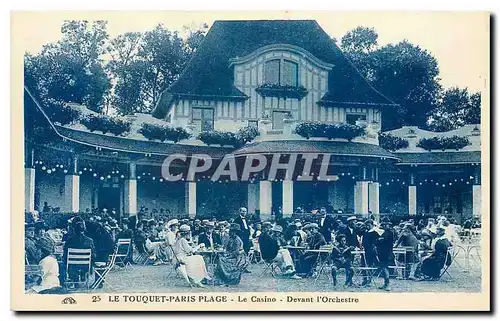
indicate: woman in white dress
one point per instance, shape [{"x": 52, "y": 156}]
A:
[
  {"x": 194, "y": 264},
  {"x": 172, "y": 228},
  {"x": 49, "y": 283}
]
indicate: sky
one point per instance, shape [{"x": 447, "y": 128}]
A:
[{"x": 459, "y": 40}]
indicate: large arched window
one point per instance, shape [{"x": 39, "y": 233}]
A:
[
  {"x": 272, "y": 72},
  {"x": 290, "y": 73},
  {"x": 281, "y": 72}
]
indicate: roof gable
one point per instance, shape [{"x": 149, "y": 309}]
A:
[{"x": 208, "y": 73}]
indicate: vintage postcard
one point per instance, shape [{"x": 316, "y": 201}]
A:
[{"x": 250, "y": 161}]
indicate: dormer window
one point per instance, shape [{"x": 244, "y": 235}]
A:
[{"x": 281, "y": 72}]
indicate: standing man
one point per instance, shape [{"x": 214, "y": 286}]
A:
[
  {"x": 244, "y": 232},
  {"x": 325, "y": 225},
  {"x": 351, "y": 232}
]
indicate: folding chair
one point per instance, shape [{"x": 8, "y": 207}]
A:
[
  {"x": 450, "y": 259},
  {"x": 81, "y": 260},
  {"x": 362, "y": 270},
  {"x": 399, "y": 268},
  {"x": 143, "y": 255},
  {"x": 178, "y": 267},
  {"x": 31, "y": 272},
  {"x": 122, "y": 253},
  {"x": 102, "y": 271},
  {"x": 272, "y": 267}
]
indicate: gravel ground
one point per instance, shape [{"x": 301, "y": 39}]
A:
[{"x": 150, "y": 279}]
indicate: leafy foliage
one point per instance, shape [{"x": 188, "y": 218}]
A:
[
  {"x": 145, "y": 64},
  {"x": 391, "y": 142},
  {"x": 457, "y": 107},
  {"x": 106, "y": 124},
  {"x": 216, "y": 137},
  {"x": 240, "y": 138},
  {"x": 247, "y": 134},
  {"x": 72, "y": 69},
  {"x": 330, "y": 131},
  {"x": 282, "y": 91},
  {"x": 404, "y": 72},
  {"x": 434, "y": 143},
  {"x": 162, "y": 133},
  {"x": 61, "y": 112}
]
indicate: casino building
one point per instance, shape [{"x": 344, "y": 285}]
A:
[{"x": 274, "y": 76}]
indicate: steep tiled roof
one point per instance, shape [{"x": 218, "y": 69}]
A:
[{"x": 208, "y": 73}]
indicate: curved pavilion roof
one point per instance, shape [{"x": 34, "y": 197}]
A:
[{"x": 312, "y": 146}]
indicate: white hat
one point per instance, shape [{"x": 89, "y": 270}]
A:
[
  {"x": 184, "y": 228},
  {"x": 350, "y": 218},
  {"x": 172, "y": 222},
  {"x": 277, "y": 228}
]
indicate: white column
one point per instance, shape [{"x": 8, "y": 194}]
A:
[
  {"x": 191, "y": 199},
  {"x": 287, "y": 198},
  {"x": 29, "y": 189},
  {"x": 373, "y": 198},
  {"x": 252, "y": 198},
  {"x": 265, "y": 198},
  {"x": 130, "y": 199},
  {"x": 72, "y": 193},
  {"x": 361, "y": 197},
  {"x": 412, "y": 200},
  {"x": 476, "y": 200}
]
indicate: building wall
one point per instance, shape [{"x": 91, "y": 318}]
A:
[
  {"x": 249, "y": 75},
  {"x": 161, "y": 195},
  {"x": 49, "y": 188}
]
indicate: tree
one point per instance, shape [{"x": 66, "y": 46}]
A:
[
  {"x": 403, "y": 72},
  {"x": 71, "y": 70},
  {"x": 456, "y": 108},
  {"x": 145, "y": 64}
]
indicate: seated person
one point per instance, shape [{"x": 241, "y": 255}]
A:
[
  {"x": 342, "y": 259},
  {"x": 49, "y": 283},
  {"x": 209, "y": 237},
  {"x": 233, "y": 262},
  {"x": 314, "y": 241},
  {"x": 78, "y": 240},
  {"x": 440, "y": 257},
  {"x": 193, "y": 266},
  {"x": 270, "y": 242}
]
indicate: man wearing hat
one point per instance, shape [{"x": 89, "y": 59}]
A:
[
  {"x": 208, "y": 237},
  {"x": 314, "y": 241},
  {"x": 351, "y": 232},
  {"x": 270, "y": 243}
]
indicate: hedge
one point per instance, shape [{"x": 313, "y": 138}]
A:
[
  {"x": 240, "y": 138},
  {"x": 106, "y": 124},
  {"x": 442, "y": 143},
  {"x": 330, "y": 131},
  {"x": 392, "y": 143},
  {"x": 61, "y": 112},
  {"x": 162, "y": 133}
]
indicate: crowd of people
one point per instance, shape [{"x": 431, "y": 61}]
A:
[{"x": 290, "y": 245}]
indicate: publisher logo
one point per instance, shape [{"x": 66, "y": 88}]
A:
[{"x": 68, "y": 300}]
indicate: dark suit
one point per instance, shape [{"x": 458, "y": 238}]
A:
[
  {"x": 244, "y": 233},
  {"x": 369, "y": 242},
  {"x": 205, "y": 239},
  {"x": 308, "y": 260},
  {"x": 351, "y": 237},
  {"x": 77, "y": 241},
  {"x": 268, "y": 247},
  {"x": 326, "y": 228}
]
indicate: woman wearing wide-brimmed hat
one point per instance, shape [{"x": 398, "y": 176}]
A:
[
  {"x": 233, "y": 262},
  {"x": 50, "y": 268},
  {"x": 195, "y": 268}
]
